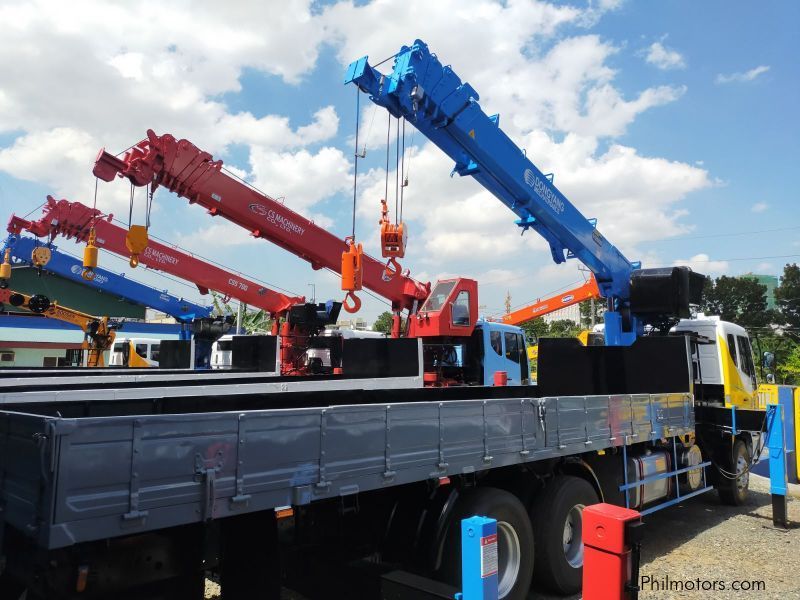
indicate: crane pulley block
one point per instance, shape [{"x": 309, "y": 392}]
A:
[
  {"x": 136, "y": 241},
  {"x": 352, "y": 274},
  {"x": 393, "y": 241},
  {"x": 90, "y": 256}
]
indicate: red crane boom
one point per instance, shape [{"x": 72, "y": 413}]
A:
[
  {"x": 74, "y": 220},
  {"x": 184, "y": 169}
]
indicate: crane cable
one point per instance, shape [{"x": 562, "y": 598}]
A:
[
  {"x": 397, "y": 173},
  {"x": 355, "y": 160},
  {"x": 404, "y": 180},
  {"x": 388, "y": 147}
]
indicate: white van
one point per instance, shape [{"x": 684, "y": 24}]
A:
[{"x": 135, "y": 352}]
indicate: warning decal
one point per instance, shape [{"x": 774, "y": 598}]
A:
[{"x": 488, "y": 555}]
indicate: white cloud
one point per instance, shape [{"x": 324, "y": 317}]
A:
[
  {"x": 118, "y": 73},
  {"x": 664, "y": 58},
  {"x": 300, "y": 179},
  {"x": 765, "y": 267},
  {"x": 742, "y": 77},
  {"x": 759, "y": 207},
  {"x": 702, "y": 263}
]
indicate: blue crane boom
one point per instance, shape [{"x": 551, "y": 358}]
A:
[
  {"x": 444, "y": 109},
  {"x": 69, "y": 267}
]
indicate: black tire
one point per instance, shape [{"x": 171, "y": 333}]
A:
[
  {"x": 512, "y": 519},
  {"x": 558, "y": 569},
  {"x": 734, "y": 492}
]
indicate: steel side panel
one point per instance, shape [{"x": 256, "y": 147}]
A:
[{"x": 295, "y": 456}]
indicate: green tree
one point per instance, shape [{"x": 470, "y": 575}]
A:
[
  {"x": 586, "y": 312},
  {"x": 535, "y": 329},
  {"x": 253, "y": 321},
  {"x": 564, "y": 328},
  {"x": 740, "y": 300},
  {"x": 789, "y": 370},
  {"x": 787, "y": 296},
  {"x": 383, "y": 323}
]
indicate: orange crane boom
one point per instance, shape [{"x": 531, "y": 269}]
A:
[
  {"x": 99, "y": 332},
  {"x": 540, "y": 308}
]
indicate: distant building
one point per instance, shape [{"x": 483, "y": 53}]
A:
[
  {"x": 34, "y": 341},
  {"x": 768, "y": 281},
  {"x": 356, "y": 324}
]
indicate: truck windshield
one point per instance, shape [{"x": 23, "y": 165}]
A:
[{"x": 438, "y": 296}]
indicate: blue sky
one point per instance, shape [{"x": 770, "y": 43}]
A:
[{"x": 672, "y": 123}]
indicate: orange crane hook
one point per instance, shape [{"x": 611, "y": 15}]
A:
[
  {"x": 352, "y": 274},
  {"x": 393, "y": 242},
  {"x": 90, "y": 256},
  {"x": 136, "y": 241}
]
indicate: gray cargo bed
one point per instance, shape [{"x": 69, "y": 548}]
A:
[{"x": 70, "y": 480}]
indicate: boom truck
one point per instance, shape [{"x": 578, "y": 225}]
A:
[
  {"x": 74, "y": 220},
  {"x": 432, "y": 97},
  {"x": 459, "y": 348},
  {"x": 335, "y": 486},
  {"x": 25, "y": 250},
  {"x": 99, "y": 332},
  {"x": 22, "y": 250}
]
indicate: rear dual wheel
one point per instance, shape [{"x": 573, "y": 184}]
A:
[
  {"x": 515, "y": 548},
  {"x": 557, "y": 517}
]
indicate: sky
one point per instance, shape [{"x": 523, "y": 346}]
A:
[{"x": 673, "y": 123}]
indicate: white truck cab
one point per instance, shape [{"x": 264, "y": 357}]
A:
[
  {"x": 135, "y": 352},
  {"x": 725, "y": 364}
]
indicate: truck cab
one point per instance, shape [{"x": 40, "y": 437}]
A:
[
  {"x": 723, "y": 361},
  {"x": 135, "y": 352}
]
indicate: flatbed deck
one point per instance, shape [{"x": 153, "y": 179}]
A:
[{"x": 74, "y": 479}]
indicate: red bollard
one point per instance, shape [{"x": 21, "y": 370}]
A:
[
  {"x": 500, "y": 378},
  {"x": 610, "y": 568}
]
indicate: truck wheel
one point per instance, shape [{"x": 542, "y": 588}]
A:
[
  {"x": 514, "y": 540},
  {"x": 734, "y": 491},
  {"x": 557, "y": 518}
]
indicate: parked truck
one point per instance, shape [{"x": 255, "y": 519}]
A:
[{"x": 138, "y": 488}]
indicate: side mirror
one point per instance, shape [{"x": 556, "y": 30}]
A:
[
  {"x": 770, "y": 378},
  {"x": 768, "y": 360}
]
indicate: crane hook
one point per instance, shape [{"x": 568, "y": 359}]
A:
[
  {"x": 393, "y": 242},
  {"x": 90, "y": 256},
  {"x": 352, "y": 274},
  {"x": 136, "y": 241},
  {"x": 351, "y": 303},
  {"x": 5, "y": 269}
]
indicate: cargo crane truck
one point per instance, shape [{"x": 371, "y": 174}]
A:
[
  {"x": 28, "y": 251},
  {"x": 99, "y": 332},
  {"x": 74, "y": 220},
  {"x": 22, "y": 250},
  {"x": 141, "y": 489},
  {"x": 459, "y": 348}
]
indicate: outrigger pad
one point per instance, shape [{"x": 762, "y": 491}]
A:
[{"x": 652, "y": 365}]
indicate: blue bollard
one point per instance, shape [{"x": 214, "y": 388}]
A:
[
  {"x": 478, "y": 559},
  {"x": 776, "y": 443}
]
